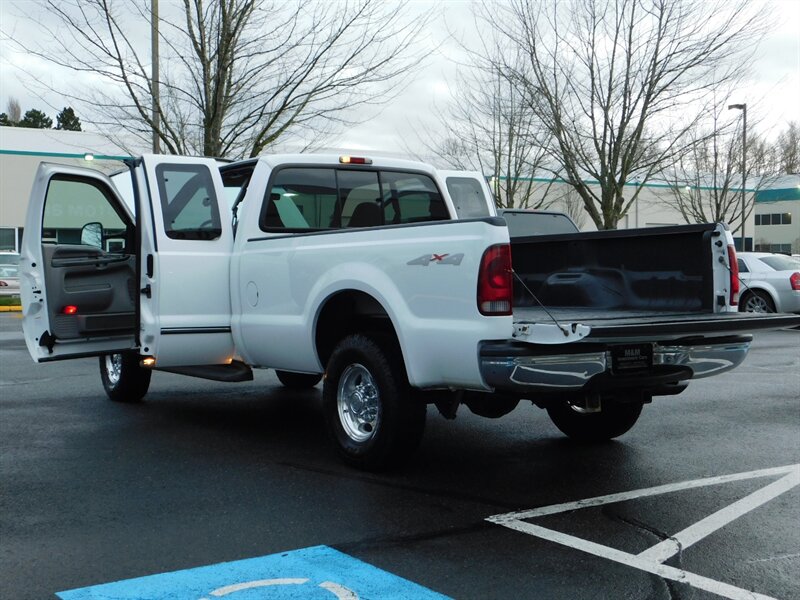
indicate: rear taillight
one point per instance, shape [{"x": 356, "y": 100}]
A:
[
  {"x": 495, "y": 283},
  {"x": 794, "y": 281},
  {"x": 734, "y": 270}
]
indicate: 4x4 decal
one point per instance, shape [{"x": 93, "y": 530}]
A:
[{"x": 439, "y": 259}]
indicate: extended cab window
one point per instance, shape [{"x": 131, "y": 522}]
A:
[
  {"x": 73, "y": 203},
  {"x": 188, "y": 202}
]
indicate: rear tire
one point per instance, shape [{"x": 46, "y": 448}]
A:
[
  {"x": 614, "y": 419},
  {"x": 124, "y": 380},
  {"x": 372, "y": 416},
  {"x": 298, "y": 381},
  {"x": 757, "y": 301}
]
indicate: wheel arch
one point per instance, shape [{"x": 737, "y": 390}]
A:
[{"x": 347, "y": 312}]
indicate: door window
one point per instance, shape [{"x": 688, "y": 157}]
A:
[
  {"x": 188, "y": 202},
  {"x": 73, "y": 203}
]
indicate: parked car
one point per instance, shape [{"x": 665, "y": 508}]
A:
[
  {"x": 9, "y": 280},
  {"x": 8, "y": 258},
  {"x": 771, "y": 282}
]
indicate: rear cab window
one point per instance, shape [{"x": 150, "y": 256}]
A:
[{"x": 302, "y": 199}]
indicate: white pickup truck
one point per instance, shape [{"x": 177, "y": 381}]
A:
[{"x": 362, "y": 271}]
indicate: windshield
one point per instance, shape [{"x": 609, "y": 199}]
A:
[
  {"x": 781, "y": 263},
  {"x": 524, "y": 223},
  {"x": 468, "y": 197}
]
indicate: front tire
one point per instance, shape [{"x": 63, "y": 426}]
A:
[
  {"x": 614, "y": 419},
  {"x": 298, "y": 381},
  {"x": 124, "y": 380},
  {"x": 371, "y": 415}
]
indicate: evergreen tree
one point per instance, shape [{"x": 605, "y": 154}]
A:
[
  {"x": 67, "y": 120},
  {"x": 5, "y": 121},
  {"x": 36, "y": 119}
]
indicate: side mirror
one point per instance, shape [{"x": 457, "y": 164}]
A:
[{"x": 92, "y": 235}]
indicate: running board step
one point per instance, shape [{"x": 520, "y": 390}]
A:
[{"x": 236, "y": 371}]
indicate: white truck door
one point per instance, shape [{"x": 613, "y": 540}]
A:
[
  {"x": 186, "y": 244},
  {"x": 77, "y": 266}
]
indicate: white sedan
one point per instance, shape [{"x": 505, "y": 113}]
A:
[
  {"x": 9, "y": 280},
  {"x": 770, "y": 282}
]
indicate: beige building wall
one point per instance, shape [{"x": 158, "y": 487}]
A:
[{"x": 21, "y": 152}]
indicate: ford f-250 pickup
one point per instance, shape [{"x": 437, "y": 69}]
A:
[{"x": 361, "y": 271}]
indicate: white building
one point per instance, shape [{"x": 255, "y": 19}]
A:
[
  {"x": 21, "y": 151},
  {"x": 777, "y": 217}
]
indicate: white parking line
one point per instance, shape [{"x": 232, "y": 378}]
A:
[
  {"x": 719, "y": 519},
  {"x": 651, "y": 559}
]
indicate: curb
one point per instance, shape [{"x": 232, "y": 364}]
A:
[{"x": 10, "y": 308}]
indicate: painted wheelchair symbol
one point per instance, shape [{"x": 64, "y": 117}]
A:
[{"x": 341, "y": 592}]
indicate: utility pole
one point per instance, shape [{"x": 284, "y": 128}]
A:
[
  {"x": 154, "y": 76},
  {"x": 743, "y": 108}
]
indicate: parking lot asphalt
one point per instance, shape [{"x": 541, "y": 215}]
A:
[{"x": 203, "y": 473}]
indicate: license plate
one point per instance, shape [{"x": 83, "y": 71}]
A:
[{"x": 635, "y": 357}]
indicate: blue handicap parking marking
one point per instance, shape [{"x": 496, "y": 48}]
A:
[{"x": 317, "y": 573}]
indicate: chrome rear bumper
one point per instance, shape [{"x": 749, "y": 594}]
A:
[{"x": 532, "y": 372}]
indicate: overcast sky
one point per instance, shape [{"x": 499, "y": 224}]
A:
[{"x": 772, "y": 93}]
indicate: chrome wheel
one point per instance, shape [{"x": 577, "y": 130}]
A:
[
  {"x": 113, "y": 368},
  {"x": 357, "y": 400},
  {"x": 757, "y": 303}
]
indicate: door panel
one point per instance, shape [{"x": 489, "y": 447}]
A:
[
  {"x": 101, "y": 287},
  {"x": 187, "y": 231},
  {"x": 78, "y": 289}
]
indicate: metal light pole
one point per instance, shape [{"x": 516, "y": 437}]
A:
[
  {"x": 154, "y": 73},
  {"x": 743, "y": 108}
]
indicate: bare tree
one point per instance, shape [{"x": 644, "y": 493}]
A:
[
  {"x": 706, "y": 181},
  {"x": 236, "y": 76},
  {"x": 618, "y": 84},
  {"x": 492, "y": 129},
  {"x": 787, "y": 149},
  {"x": 572, "y": 205},
  {"x": 14, "y": 110}
]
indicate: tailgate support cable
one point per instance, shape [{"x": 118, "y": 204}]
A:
[{"x": 563, "y": 329}]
